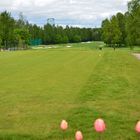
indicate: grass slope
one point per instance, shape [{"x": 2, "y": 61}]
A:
[{"x": 39, "y": 88}]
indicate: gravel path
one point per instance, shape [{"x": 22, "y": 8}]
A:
[{"x": 137, "y": 55}]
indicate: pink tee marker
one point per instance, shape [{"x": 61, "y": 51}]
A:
[
  {"x": 78, "y": 135},
  {"x": 99, "y": 125},
  {"x": 64, "y": 125},
  {"x": 137, "y": 128}
]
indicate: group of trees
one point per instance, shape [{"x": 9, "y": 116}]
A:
[
  {"x": 119, "y": 30},
  {"x": 13, "y": 33},
  {"x": 123, "y": 29},
  {"x": 20, "y": 33},
  {"x": 51, "y": 34},
  {"x": 58, "y": 34}
]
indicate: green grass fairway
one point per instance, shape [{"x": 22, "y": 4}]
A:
[{"x": 39, "y": 88}]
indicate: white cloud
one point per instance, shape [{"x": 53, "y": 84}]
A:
[{"x": 78, "y": 12}]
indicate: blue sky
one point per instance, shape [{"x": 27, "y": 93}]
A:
[{"x": 81, "y": 13}]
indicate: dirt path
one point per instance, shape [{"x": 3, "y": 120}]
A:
[{"x": 137, "y": 55}]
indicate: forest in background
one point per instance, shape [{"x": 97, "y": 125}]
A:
[
  {"x": 118, "y": 31},
  {"x": 20, "y": 33}
]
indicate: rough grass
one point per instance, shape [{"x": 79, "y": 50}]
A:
[{"x": 39, "y": 88}]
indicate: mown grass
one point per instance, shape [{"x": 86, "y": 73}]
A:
[{"x": 39, "y": 88}]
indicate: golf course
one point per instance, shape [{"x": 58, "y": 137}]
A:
[{"x": 79, "y": 83}]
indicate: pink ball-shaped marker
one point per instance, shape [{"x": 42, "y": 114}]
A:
[
  {"x": 64, "y": 125},
  {"x": 137, "y": 128},
  {"x": 78, "y": 135},
  {"x": 99, "y": 125}
]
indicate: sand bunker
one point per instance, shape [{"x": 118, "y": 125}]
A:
[
  {"x": 49, "y": 47},
  {"x": 86, "y": 42},
  {"x": 137, "y": 55}
]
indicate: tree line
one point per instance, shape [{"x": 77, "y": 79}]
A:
[
  {"x": 20, "y": 33},
  {"x": 119, "y": 30},
  {"x": 123, "y": 29}
]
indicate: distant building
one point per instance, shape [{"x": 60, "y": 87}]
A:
[{"x": 51, "y": 21}]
